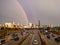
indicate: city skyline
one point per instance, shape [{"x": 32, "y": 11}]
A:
[{"x": 48, "y": 12}]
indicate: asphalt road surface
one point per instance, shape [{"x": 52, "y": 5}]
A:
[
  {"x": 9, "y": 41},
  {"x": 51, "y": 41},
  {"x": 12, "y": 42},
  {"x": 31, "y": 38}
]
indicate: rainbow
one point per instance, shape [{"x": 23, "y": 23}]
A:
[{"x": 11, "y": 10}]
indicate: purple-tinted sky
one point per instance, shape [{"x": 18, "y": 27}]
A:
[
  {"x": 47, "y": 11},
  {"x": 12, "y": 11}
]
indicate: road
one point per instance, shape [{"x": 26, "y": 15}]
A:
[
  {"x": 51, "y": 41},
  {"x": 12, "y": 42},
  {"x": 31, "y": 38},
  {"x": 9, "y": 37}
]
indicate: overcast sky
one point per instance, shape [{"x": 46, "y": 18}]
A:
[
  {"x": 47, "y": 11},
  {"x": 12, "y": 11}
]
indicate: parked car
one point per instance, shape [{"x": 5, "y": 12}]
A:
[{"x": 57, "y": 39}]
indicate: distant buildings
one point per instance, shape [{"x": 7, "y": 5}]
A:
[
  {"x": 29, "y": 25},
  {"x": 9, "y": 25},
  {"x": 0, "y": 26},
  {"x": 12, "y": 25}
]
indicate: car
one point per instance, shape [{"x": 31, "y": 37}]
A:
[
  {"x": 46, "y": 33},
  {"x": 14, "y": 35},
  {"x": 48, "y": 36},
  {"x": 57, "y": 39},
  {"x": 2, "y": 41},
  {"x": 16, "y": 38},
  {"x": 52, "y": 35},
  {"x": 35, "y": 42}
]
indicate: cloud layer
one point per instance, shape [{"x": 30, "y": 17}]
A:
[
  {"x": 47, "y": 11},
  {"x": 11, "y": 10}
]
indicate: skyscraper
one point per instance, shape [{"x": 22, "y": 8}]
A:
[{"x": 38, "y": 23}]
